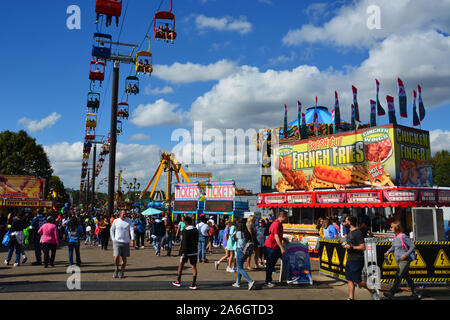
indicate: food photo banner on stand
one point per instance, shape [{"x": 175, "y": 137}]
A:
[
  {"x": 21, "y": 187},
  {"x": 383, "y": 156}
]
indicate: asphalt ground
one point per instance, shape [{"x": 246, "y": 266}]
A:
[{"x": 149, "y": 277}]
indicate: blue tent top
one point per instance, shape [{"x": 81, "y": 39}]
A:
[
  {"x": 323, "y": 115},
  {"x": 151, "y": 212}
]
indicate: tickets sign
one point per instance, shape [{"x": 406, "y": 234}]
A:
[
  {"x": 368, "y": 157},
  {"x": 21, "y": 187},
  {"x": 187, "y": 191},
  {"x": 221, "y": 190}
]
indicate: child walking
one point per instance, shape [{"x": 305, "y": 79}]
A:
[{"x": 189, "y": 251}]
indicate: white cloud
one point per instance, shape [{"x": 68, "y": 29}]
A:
[
  {"x": 139, "y": 137},
  {"x": 155, "y": 91},
  {"x": 190, "y": 72},
  {"x": 39, "y": 125},
  {"x": 283, "y": 59},
  {"x": 250, "y": 97},
  {"x": 159, "y": 113},
  {"x": 349, "y": 26},
  {"x": 439, "y": 140},
  {"x": 227, "y": 23}
]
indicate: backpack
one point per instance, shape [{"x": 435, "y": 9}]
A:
[
  {"x": 412, "y": 256},
  {"x": 248, "y": 250}
]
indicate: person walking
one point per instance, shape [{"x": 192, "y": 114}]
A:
[
  {"x": 74, "y": 232},
  {"x": 168, "y": 224},
  {"x": 139, "y": 229},
  {"x": 231, "y": 246},
  {"x": 261, "y": 234},
  {"x": 105, "y": 231},
  {"x": 274, "y": 247},
  {"x": 203, "y": 230},
  {"x": 189, "y": 252},
  {"x": 122, "y": 235},
  {"x": 226, "y": 234},
  {"x": 17, "y": 238},
  {"x": 158, "y": 232},
  {"x": 37, "y": 222},
  {"x": 181, "y": 227},
  {"x": 244, "y": 249},
  {"x": 50, "y": 239},
  {"x": 403, "y": 248},
  {"x": 355, "y": 247},
  {"x": 252, "y": 230}
]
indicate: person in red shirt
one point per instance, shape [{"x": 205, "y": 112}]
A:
[{"x": 274, "y": 246}]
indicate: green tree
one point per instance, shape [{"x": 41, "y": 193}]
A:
[
  {"x": 20, "y": 155},
  {"x": 441, "y": 168}
]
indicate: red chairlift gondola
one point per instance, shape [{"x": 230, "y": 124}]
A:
[
  {"x": 110, "y": 8},
  {"x": 97, "y": 71},
  {"x": 123, "y": 110},
  {"x": 164, "y": 25}
]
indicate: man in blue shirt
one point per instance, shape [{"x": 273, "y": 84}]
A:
[{"x": 36, "y": 223}]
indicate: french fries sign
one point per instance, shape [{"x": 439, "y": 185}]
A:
[{"x": 366, "y": 157}]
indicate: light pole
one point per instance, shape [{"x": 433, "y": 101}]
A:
[{"x": 134, "y": 185}]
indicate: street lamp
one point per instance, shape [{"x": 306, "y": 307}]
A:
[{"x": 134, "y": 185}]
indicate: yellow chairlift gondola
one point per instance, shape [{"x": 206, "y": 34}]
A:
[
  {"x": 91, "y": 120},
  {"x": 144, "y": 61}
]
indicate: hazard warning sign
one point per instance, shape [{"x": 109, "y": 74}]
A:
[
  {"x": 419, "y": 262},
  {"x": 389, "y": 262},
  {"x": 441, "y": 260},
  {"x": 324, "y": 257},
  {"x": 335, "y": 258}
]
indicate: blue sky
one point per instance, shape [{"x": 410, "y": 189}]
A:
[{"x": 261, "y": 46}]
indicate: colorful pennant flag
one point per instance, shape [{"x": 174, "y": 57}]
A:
[
  {"x": 402, "y": 99},
  {"x": 380, "y": 110},
  {"x": 299, "y": 115},
  {"x": 337, "y": 112},
  {"x": 373, "y": 113},
  {"x": 355, "y": 103},
  {"x": 421, "y": 106},
  {"x": 416, "y": 120},
  {"x": 353, "y": 124},
  {"x": 285, "y": 122},
  {"x": 391, "y": 110},
  {"x": 304, "y": 128}
]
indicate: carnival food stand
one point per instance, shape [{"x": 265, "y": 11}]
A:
[{"x": 377, "y": 174}]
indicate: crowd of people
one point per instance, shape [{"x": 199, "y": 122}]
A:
[{"x": 248, "y": 244}]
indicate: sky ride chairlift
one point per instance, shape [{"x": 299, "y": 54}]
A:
[
  {"x": 102, "y": 46},
  {"x": 97, "y": 71},
  {"x": 132, "y": 85},
  {"x": 165, "y": 20},
  {"x": 91, "y": 120},
  {"x": 123, "y": 110},
  {"x": 93, "y": 102},
  {"x": 109, "y": 7},
  {"x": 119, "y": 127},
  {"x": 144, "y": 61},
  {"x": 90, "y": 134}
]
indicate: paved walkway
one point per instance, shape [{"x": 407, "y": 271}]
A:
[{"x": 149, "y": 277}]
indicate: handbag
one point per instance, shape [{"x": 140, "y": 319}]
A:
[{"x": 6, "y": 239}]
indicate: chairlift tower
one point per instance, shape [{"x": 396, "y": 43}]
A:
[{"x": 117, "y": 58}]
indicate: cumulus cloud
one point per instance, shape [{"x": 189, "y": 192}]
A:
[
  {"x": 250, "y": 97},
  {"x": 155, "y": 91},
  {"x": 439, "y": 140},
  {"x": 160, "y": 113},
  {"x": 39, "y": 125},
  {"x": 139, "y": 137},
  {"x": 349, "y": 26},
  {"x": 227, "y": 23},
  {"x": 191, "y": 72}
]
